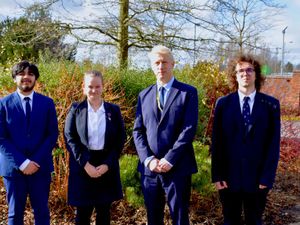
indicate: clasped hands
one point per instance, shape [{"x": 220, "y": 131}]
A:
[
  {"x": 95, "y": 172},
  {"x": 159, "y": 166},
  {"x": 31, "y": 168}
]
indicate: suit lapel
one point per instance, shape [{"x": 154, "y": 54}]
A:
[
  {"x": 18, "y": 103},
  {"x": 153, "y": 100},
  {"x": 256, "y": 108},
  {"x": 35, "y": 111},
  {"x": 108, "y": 115},
  {"x": 237, "y": 113},
  {"x": 171, "y": 96},
  {"x": 82, "y": 122}
]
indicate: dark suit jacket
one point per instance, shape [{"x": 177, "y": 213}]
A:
[
  {"x": 84, "y": 190},
  {"x": 170, "y": 136},
  {"x": 246, "y": 159},
  {"x": 17, "y": 144}
]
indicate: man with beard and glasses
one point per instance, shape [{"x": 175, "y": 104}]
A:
[{"x": 28, "y": 133}]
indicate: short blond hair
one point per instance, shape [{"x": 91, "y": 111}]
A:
[
  {"x": 160, "y": 50},
  {"x": 94, "y": 73}
]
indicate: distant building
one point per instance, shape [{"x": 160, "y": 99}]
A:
[{"x": 286, "y": 88}]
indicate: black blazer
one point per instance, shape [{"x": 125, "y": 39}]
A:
[
  {"x": 82, "y": 189},
  {"x": 245, "y": 159}
]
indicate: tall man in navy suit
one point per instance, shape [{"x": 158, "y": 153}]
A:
[
  {"x": 245, "y": 144},
  {"x": 28, "y": 133},
  {"x": 164, "y": 128}
]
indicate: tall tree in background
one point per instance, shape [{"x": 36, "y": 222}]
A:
[
  {"x": 131, "y": 24},
  {"x": 33, "y": 34},
  {"x": 138, "y": 25}
]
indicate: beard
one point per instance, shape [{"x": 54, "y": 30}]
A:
[{"x": 26, "y": 87}]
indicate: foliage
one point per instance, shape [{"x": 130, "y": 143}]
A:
[
  {"x": 289, "y": 67},
  {"x": 33, "y": 34},
  {"x": 130, "y": 179},
  {"x": 201, "y": 181},
  {"x": 211, "y": 83},
  {"x": 62, "y": 80}
]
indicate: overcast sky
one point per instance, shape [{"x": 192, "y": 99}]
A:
[{"x": 290, "y": 17}]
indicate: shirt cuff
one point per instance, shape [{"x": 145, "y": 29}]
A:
[
  {"x": 163, "y": 160},
  {"x": 24, "y": 164},
  {"x": 147, "y": 160}
]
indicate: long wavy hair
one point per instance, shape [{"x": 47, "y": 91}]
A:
[{"x": 231, "y": 71}]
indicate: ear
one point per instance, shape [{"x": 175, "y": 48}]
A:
[
  {"x": 83, "y": 87},
  {"x": 173, "y": 64}
]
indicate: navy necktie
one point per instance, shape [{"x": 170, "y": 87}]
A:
[
  {"x": 246, "y": 112},
  {"x": 161, "y": 97},
  {"x": 28, "y": 110}
]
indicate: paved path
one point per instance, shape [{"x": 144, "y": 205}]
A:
[
  {"x": 290, "y": 129},
  {"x": 296, "y": 212}
]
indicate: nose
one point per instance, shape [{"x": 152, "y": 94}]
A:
[{"x": 160, "y": 65}]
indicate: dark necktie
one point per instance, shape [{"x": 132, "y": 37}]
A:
[
  {"x": 28, "y": 110},
  {"x": 161, "y": 98},
  {"x": 246, "y": 112}
]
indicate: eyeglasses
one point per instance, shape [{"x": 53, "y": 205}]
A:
[{"x": 248, "y": 70}]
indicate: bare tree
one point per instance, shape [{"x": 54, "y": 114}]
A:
[
  {"x": 129, "y": 24},
  {"x": 138, "y": 25},
  {"x": 241, "y": 22}
]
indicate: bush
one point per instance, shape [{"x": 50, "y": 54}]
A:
[
  {"x": 130, "y": 180},
  {"x": 201, "y": 181},
  {"x": 61, "y": 80}
]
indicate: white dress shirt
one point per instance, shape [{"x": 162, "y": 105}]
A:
[
  {"x": 251, "y": 100},
  {"x": 96, "y": 127}
]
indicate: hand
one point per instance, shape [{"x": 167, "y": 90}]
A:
[
  {"x": 221, "y": 185},
  {"x": 31, "y": 168},
  {"x": 261, "y": 186},
  {"x": 102, "y": 169},
  {"x": 91, "y": 170},
  {"x": 164, "y": 166},
  {"x": 153, "y": 165}
]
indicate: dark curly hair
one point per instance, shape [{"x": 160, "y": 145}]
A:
[
  {"x": 21, "y": 66},
  {"x": 231, "y": 71}
]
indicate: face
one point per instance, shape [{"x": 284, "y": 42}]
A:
[
  {"x": 245, "y": 75},
  {"x": 25, "y": 81},
  {"x": 92, "y": 88},
  {"x": 162, "y": 66}
]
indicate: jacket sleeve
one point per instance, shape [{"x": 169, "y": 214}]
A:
[
  {"x": 139, "y": 134},
  {"x": 217, "y": 158},
  {"x": 188, "y": 129},
  {"x": 72, "y": 139},
  {"x": 51, "y": 135},
  {"x": 7, "y": 148},
  {"x": 118, "y": 138},
  {"x": 273, "y": 147}
]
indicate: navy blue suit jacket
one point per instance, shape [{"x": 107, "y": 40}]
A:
[
  {"x": 171, "y": 135},
  {"x": 245, "y": 159},
  {"x": 81, "y": 186},
  {"x": 17, "y": 144}
]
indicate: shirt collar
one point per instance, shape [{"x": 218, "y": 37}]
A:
[
  {"x": 251, "y": 96},
  {"x": 167, "y": 86},
  {"x": 101, "y": 108},
  {"x": 23, "y": 96}
]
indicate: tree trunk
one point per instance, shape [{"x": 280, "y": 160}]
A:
[{"x": 123, "y": 34}]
